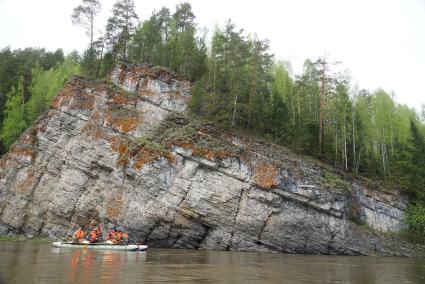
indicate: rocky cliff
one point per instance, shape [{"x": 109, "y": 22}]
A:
[{"x": 123, "y": 152}]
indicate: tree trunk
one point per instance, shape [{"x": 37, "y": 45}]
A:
[
  {"x": 391, "y": 136},
  {"x": 354, "y": 139},
  {"x": 292, "y": 105},
  {"x": 345, "y": 136},
  {"x": 234, "y": 109},
  {"x": 336, "y": 148},
  {"x": 91, "y": 30},
  {"x": 322, "y": 105}
]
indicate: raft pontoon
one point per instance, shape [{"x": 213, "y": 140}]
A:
[{"x": 102, "y": 246}]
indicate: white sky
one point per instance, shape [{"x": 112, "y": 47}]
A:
[{"x": 382, "y": 42}]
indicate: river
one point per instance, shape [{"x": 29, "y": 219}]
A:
[{"x": 29, "y": 262}]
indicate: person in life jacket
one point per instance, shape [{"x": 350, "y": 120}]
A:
[
  {"x": 79, "y": 235},
  {"x": 118, "y": 237},
  {"x": 110, "y": 235},
  {"x": 98, "y": 229},
  {"x": 93, "y": 236},
  {"x": 96, "y": 234}
]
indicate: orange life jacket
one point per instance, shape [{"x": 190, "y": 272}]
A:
[
  {"x": 79, "y": 234},
  {"x": 93, "y": 235},
  {"x": 118, "y": 236}
]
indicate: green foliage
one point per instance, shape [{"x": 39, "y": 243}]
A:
[
  {"x": 170, "y": 41},
  {"x": 17, "y": 64},
  {"x": 148, "y": 142},
  {"x": 414, "y": 168},
  {"x": 199, "y": 101},
  {"x": 235, "y": 87},
  {"x": 237, "y": 84},
  {"x": 89, "y": 63},
  {"x": 120, "y": 28},
  {"x": 14, "y": 121},
  {"x": 142, "y": 141},
  {"x": 46, "y": 85},
  {"x": 106, "y": 64},
  {"x": 415, "y": 218},
  {"x": 186, "y": 133}
]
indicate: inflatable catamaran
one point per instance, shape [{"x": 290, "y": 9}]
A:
[{"x": 101, "y": 246}]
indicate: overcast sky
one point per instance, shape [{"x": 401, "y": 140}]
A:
[{"x": 382, "y": 42}]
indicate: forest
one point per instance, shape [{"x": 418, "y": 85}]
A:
[{"x": 237, "y": 83}]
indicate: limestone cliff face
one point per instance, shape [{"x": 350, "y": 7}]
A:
[{"x": 123, "y": 153}]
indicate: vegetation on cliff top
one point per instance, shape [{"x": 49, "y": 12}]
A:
[
  {"x": 237, "y": 83},
  {"x": 30, "y": 97}
]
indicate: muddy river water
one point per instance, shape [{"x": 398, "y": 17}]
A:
[{"x": 29, "y": 262}]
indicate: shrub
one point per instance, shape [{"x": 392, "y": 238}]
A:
[{"x": 415, "y": 218}]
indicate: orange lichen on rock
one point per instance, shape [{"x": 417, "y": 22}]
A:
[
  {"x": 145, "y": 158},
  {"x": 266, "y": 175},
  {"x": 25, "y": 146},
  {"x": 23, "y": 152},
  {"x": 3, "y": 162},
  {"x": 131, "y": 74},
  {"x": 122, "y": 119},
  {"x": 95, "y": 116},
  {"x": 94, "y": 131},
  {"x": 206, "y": 153},
  {"x": 74, "y": 95},
  {"x": 82, "y": 101},
  {"x": 122, "y": 75},
  {"x": 157, "y": 73},
  {"x": 40, "y": 125},
  {"x": 146, "y": 155},
  {"x": 145, "y": 93},
  {"x": 133, "y": 77},
  {"x": 64, "y": 95},
  {"x": 121, "y": 98},
  {"x": 124, "y": 125},
  {"x": 74, "y": 99},
  {"x": 120, "y": 145}
]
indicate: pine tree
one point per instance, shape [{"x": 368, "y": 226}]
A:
[
  {"x": 417, "y": 169},
  {"x": 149, "y": 41},
  {"x": 84, "y": 15},
  {"x": 120, "y": 28}
]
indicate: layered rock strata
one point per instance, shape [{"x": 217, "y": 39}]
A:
[{"x": 123, "y": 153}]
